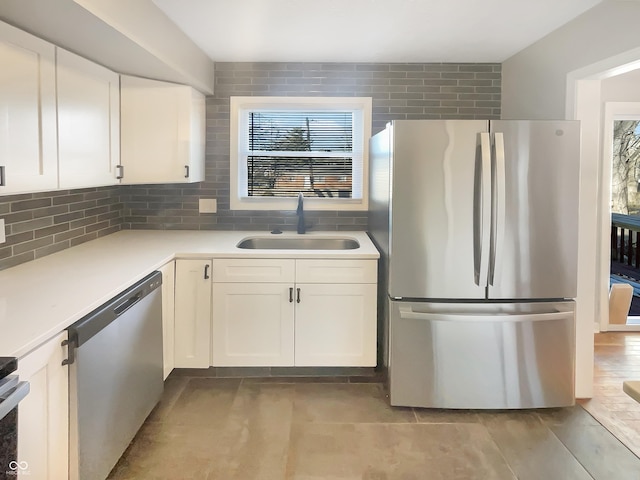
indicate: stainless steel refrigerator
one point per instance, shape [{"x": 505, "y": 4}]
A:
[{"x": 477, "y": 225}]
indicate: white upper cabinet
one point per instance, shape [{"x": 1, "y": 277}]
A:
[
  {"x": 88, "y": 122},
  {"x": 62, "y": 118},
  {"x": 28, "y": 157},
  {"x": 162, "y": 132}
]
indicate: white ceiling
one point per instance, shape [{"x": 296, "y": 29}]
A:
[{"x": 368, "y": 30}]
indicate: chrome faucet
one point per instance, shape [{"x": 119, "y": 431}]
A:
[{"x": 300, "y": 214}]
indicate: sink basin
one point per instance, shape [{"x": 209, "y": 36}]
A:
[{"x": 295, "y": 243}]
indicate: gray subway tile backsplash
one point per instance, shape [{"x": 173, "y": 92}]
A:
[
  {"x": 38, "y": 224},
  {"x": 42, "y": 223}
]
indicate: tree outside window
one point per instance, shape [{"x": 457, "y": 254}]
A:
[
  {"x": 298, "y": 151},
  {"x": 625, "y": 183}
]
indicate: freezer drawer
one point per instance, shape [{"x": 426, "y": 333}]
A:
[{"x": 482, "y": 356}]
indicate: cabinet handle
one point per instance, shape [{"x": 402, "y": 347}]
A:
[
  {"x": 71, "y": 348},
  {"x": 297, "y": 295},
  {"x": 2, "y": 184},
  {"x": 290, "y": 294},
  {"x": 186, "y": 171},
  {"x": 206, "y": 272},
  {"x": 120, "y": 173}
]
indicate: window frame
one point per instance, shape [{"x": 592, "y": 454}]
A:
[{"x": 239, "y": 109}]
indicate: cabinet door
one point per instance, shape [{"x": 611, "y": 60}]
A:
[
  {"x": 28, "y": 150},
  {"x": 88, "y": 122},
  {"x": 168, "y": 316},
  {"x": 252, "y": 324},
  {"x": 43, "y": 416},
  {"x": 197, "y": 135},
  {"x": 192, "y": 314},
  {"x": 336, "y": 325},
  {"x": 163, "y": 132}
]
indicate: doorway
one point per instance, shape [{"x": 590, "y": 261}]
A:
[
  {"x": 584, "y": 102},
  {"x": 621, "y": 154}
]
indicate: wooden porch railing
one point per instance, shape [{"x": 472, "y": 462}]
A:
[{"x": 625, "y": 247}]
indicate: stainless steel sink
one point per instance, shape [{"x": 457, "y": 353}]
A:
[{"x": 295, "y": 243}]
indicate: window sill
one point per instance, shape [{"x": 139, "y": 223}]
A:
[{"x": 310, "y": 204}]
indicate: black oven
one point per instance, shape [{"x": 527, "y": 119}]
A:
[{"x": 11, "y": 392}]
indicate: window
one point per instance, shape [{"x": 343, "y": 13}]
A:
[
  {"x": 281, "y": 146},
  {"x": 625, "y": 178}
]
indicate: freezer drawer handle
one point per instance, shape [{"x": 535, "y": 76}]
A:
[{"x": 409, "y": 314}]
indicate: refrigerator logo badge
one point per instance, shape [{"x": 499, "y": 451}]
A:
[{"x": 16, "y": 467}]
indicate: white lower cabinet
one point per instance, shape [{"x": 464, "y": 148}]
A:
[
  {"x": 192, "y": 314},
  {"x": 43, "y": 415},
  {"x": 298, "y": 318},
  {"x": 335, "y": 325},
  {"x": 168, "y": 316},
  {"x": 252, "y": 324}
]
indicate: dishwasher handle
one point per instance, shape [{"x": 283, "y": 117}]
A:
[
  {"x": 84, "y": 329},
  {"x": 127, "y": 304}
]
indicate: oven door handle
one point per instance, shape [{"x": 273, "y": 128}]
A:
[{"x": 10, "y": 400}]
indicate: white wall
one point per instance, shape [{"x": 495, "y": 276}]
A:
[
  {"x": 560, "y": 77},
  {"x": 534, "y": 81},
  {"x": 622, "y": 88}
]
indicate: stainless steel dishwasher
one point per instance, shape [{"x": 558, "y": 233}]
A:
[{"x": 115, "y": 369}]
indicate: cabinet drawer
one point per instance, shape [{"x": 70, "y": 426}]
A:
[
  {"x": 253, "y": 270},
  {"x": 336, "y": 271}
]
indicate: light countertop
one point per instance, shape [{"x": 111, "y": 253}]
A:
[{"x": 41, "y": 298}]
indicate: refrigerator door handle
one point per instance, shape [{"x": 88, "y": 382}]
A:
[
  {"x": 482, "y": 212},
  {"x": 406, "y": 312},
  {"x": 499, "y": 220}
]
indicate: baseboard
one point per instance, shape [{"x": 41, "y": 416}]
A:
[{"x": 612, "y": 327}]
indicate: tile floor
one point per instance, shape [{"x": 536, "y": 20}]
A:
[{"x": 216, "y": 428}]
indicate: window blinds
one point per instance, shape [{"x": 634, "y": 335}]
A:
[{"x": 300, "y": 151}]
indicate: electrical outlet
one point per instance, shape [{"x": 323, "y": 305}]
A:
[
  {"x": 208, "y": 205},
  {"x": 2, "y": 236}
]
